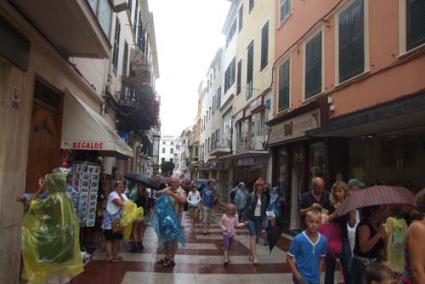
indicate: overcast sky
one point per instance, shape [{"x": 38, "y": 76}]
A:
[{"x": 188, "y": 33}]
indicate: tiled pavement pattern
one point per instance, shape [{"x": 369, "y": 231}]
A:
[{"x": 200, "y": 261}]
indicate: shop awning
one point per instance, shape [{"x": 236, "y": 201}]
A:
[
  {"x": 84, "y": 129},
  {"x": 401, "y": 115}
]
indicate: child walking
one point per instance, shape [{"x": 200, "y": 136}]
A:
[
  {"x": 228, "y": 223},
  {"x": 307, "y": 251}
]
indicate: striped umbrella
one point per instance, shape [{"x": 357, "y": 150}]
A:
[{"x": 376, "y": 195}]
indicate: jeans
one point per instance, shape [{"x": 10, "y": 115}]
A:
[
  {"x": 345, "y": 262},
  {"x": 358, "y": 270},
  {"x": 255, "y": 226}
]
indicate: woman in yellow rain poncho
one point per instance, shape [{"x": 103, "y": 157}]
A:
[{"x": 50, "y": 241}]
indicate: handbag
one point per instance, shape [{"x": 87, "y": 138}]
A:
[
  {"x": 116, "y": 226},
  {"x": 332, "y": 232}
]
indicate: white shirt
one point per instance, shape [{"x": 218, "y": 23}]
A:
[
  {"x": 194, "y": 198},
  {"x": 110, "y": 206},
  {"x": 257, "y": 211}
]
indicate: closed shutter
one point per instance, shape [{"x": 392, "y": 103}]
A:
[
  {"x": 415, "y": 19},
  {"x": 264, "y": 45},
  {"x": 238, "y": 90},
  {"x": 351, "y": 41},
  {"x": 313, "y": 66},
  {"x": 284, "y": 85}
]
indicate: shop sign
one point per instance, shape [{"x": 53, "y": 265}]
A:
[
  {"x": 257, "y": 103},
  {"x": 246, "y": 162},
  {"x": 87, "y": 145},
  {"x": 295, "y": 127},
  {"x": 240, "y": 115}
]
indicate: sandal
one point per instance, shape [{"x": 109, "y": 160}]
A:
[
  {"x": 169, "y": 263},
  {"x": 162, "y": 261},
  {"x": 109, "y": 259},
  {"x": 117, "y": 259}
]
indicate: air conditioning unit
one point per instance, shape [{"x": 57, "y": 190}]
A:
[
  {"x": 249, "y": 88},
  {"x": 258, "y": 143}
]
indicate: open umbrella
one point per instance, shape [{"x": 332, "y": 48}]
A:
[
  {"x": 149, "y": 182},
  {"x": 376, "y": 195}
]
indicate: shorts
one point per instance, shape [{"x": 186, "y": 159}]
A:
[
  {"x": 193, "y": 209},
  {"x": 255, "y": 226},
  {"x": 228, "y": 241},
  {"x": 111, "y": 236},
  {"x": 208, "y": 215}
]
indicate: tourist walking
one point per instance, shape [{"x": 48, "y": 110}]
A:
[
  {"x": 339, "y": 192},
  {"x": 414, "y": 252},
  {"x": 142, "y": 200},
  {"x": 209, "y": 199},
  {"x": 317, "y": 198},
  {"x": 112, "y": 230},
  {"x": 370, "y": 234},
  {"x": 307, "y": 251},
  {"x": 193, "y": 200},
  {"x": 241, "y": 199},
  {"x": 228, "y": 223},
  {"x": 256, "y": 214},
  {"x": 178, "y": 199}
]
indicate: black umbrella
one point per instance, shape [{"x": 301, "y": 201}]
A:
[
  {"x": 273, "y": 234},
  {"x": 149, "y": 182}
]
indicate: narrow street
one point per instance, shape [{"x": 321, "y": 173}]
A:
[{"x": 200, "y": 261}]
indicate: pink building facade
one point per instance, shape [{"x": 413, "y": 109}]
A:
[{"x": 349, "y": 95}]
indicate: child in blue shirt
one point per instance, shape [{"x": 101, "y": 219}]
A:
[{"x": 307, "y": 251}]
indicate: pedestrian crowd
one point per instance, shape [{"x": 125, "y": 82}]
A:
[{"x": 374, "y": 244}]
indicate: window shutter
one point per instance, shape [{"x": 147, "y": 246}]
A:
[
  {"x": 264, "y": 45},
  {"x": 415, "y": 23},
  {"x": 351, "y": 41},
  {"x": 284, "y": 85},
  {"x": 238, "y": 90},
  {"x": 313, "y": 66}
]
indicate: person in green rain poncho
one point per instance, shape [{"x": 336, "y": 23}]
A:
[{"x": 50, "y": 241}]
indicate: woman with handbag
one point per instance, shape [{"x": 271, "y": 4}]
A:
[
  {"x": 112, "y": 230},
  {"x": 256, "y": 214},
  {"x": 337, "y": 234}
]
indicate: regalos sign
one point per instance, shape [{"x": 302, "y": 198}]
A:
[{"x": 87, "y": 145}]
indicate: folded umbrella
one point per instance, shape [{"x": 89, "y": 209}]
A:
[
  {"x": 374, "y": 196},
  {"x": 273, "y": 234}
]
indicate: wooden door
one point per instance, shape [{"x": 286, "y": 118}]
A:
[{"x": 45, "y": 135}]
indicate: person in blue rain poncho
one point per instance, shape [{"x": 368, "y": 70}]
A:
[{"x": 167, "y": 218}]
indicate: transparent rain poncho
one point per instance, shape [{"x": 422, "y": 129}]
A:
[
  {"x": 130, "y": 213},
  {"x": 396, "y": 230},
  {"x": 50, "y": 235},
  {"x": 166, "y": 222}
]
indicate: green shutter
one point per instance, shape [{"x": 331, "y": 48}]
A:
[
  {"x": 351, "y": 41},
  {"x": 313, "y": 66},
  {"x": 284, "y": 70},
  {"x": 415, "y": 23}
]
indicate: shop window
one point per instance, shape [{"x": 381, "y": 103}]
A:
[
  {"x": 313, "y": 66},
  {"x": 351, "y": 41},
  {"x": 415, "y": 15},
  {"x": 317, "y": 160},
  {"x": 284, "y": 85}
]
